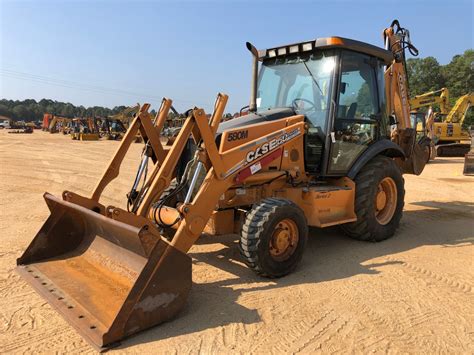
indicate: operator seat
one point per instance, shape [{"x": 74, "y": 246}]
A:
[{"x": 352, "y": 111}]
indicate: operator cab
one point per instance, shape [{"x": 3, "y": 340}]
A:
[{"x": 338, "y": 85}]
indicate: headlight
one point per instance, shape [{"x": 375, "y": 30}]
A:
[
  {"x": 282, "y": 51},
  {"x": 272, "y": 53},
  {"x": 307, "y": 46},
  {"x": 294, "y": 49}
]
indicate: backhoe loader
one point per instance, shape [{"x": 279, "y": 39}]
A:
[
  {"x": 325, "y": 143},
  {"x": 110, "y": 128},
  {"x": 84, "y": 129}
]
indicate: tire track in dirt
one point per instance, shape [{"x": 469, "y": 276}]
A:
[
  {"x": 26, "y": 339},
  {"x": 395, "y": 328},
  {"x": 448, "y": 281},
  {"x": 382, "y": 330}
]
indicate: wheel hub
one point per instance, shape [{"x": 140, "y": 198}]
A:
[
  {"x": 381, "y": 199},
  {"x": 385, "y": 200},
  {"x": 284, "y": 240}
]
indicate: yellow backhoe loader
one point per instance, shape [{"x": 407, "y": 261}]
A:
[
  {"x": 325, "y": 143},
  {"x": 126, "y": 117},
  {"x": 84, "y": 129}
]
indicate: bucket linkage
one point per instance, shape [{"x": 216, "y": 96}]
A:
[{"x": 108, "y": 271}]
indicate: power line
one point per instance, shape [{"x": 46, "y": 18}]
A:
[{"x": 76, "y": 85}]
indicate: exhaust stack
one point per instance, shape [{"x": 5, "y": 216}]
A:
[{"x": 253, "y": 89}]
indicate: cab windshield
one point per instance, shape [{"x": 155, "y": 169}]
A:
[{"x": 302, "y": 82}]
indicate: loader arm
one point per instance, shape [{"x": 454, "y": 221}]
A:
[{"x": 109, "y": 271}]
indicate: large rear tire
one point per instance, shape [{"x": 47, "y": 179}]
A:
[
  {"x": 273, "y": 237},
  {"x": 379, "y": 201}
]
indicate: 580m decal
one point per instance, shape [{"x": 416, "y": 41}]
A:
[
  {"x": 271, "y": 145},
  {"x": 235, "y": 136}
]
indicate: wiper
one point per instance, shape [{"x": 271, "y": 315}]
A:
[{"x": 312, "y": 77}]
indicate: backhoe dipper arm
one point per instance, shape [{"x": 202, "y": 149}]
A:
[{"x": 397, "y": 39}]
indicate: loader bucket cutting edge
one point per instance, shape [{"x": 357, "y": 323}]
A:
[{"x": 101, "y": 275}]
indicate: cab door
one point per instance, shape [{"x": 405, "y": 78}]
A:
[{"x": 358, "y": 110}]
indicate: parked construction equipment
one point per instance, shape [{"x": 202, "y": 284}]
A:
[
  {"x": 453, "y": 140},
  {"x": 444, "y": 128},
  {"x": 438, "y": 97},
  {"x": 423, "y": 122},
  {"x": 47, "y": 118},
  {"x": 469, "y": 158},
  {"x": 324, "y": 144},
  {"x": 83, "y": 129},
  {"x": 22, "y": 129}
]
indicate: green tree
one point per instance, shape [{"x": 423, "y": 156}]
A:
[
  {"x": 21, "y": 112},
  {"x": 5, "y": 111},
  {"x": 459, "y": 74},
  {"x": 67, "y": 110},
  {"x": 424, "y": 74}
]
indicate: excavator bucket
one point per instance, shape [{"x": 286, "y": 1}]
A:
[{"x": 109, "y": 279}]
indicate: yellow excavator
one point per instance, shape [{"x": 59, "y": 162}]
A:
[
  {"x": 452, "y": 139},
  {"x": 444, "y": 128},
  {"x": 326, "y": 141},
  {"x": 423, "y": 122},
  {"x": 439, "y": 97}
]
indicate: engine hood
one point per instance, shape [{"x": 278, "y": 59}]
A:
[{"x": 269, "y": 115}]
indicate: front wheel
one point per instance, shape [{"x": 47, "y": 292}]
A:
[
  {"x": 379, "y": 201},
  {"x": 273, "y": 237}
]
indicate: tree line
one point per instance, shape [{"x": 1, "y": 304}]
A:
[
  {"x": 32, "y": 110},
  {"x": 424, "y": 74}
]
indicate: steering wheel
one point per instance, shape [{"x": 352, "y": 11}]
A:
[{"x": 295, "y": 105}]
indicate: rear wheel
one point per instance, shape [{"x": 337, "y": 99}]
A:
[
  {"x": 273, "y": 237},
  {"x": 379, "y": 201}
]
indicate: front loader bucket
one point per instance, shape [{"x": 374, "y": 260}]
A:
[{"x": 108, "y": 279}]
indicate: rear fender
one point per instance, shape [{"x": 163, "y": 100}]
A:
[{"x": 383, "y": 147}]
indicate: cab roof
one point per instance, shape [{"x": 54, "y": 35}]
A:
[{"x": 325, "y": 43}]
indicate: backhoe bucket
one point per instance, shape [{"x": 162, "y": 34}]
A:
[
  {"x": 108, "y": 279},
  {"x": 417, "y": 153}
]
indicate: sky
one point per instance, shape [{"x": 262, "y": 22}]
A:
[{"x": 110, "y": 53}]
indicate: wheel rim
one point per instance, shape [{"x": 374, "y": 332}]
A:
[
  {"x": 385, "y": 200},
  {"x": 284, "y": 240}
]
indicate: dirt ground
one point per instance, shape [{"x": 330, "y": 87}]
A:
[{"x": 412, "y": 293}]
